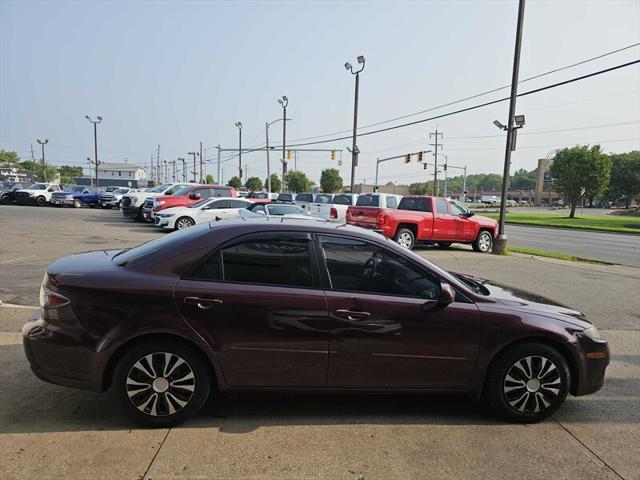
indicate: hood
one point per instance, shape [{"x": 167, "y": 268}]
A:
[
  {"x": 523, "y": 300},
  {"x": 483, "y": 220}
]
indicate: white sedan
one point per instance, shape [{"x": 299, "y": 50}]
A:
[{"x": 178, "y": 218}]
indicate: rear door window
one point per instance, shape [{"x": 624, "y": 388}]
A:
[
  {"x": 415, "y": 204},
  {"x": 221, "y": 192},
  {"x": 368, "y": 201}
]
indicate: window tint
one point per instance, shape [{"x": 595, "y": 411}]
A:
[
  {"x": 237, "y": 204},
  {"x": 210, "y": 270},
  {"x": 273, "y": 262},
  {"x": 342, "y": 199},
  {"x": 285, "y": 197},
  {"x": 304, "y": 197},
  {"x": 457, "y": 209},
  {"x": 221, "y": 192},
  {"x": 218, "y": 204},
  {"x": 285, "y": 209},
  {"x": 392, "y": 202},
  {"x": 323, "y": 198},
  {"x": 442, "y": 206},
  {"x": 368, "y": 201},
  {"x": 354, "y": 265},
  {"x": 416, "y": 204},
  {"x": 204, "y": 192}
]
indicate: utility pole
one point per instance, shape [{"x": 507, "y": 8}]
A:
[
  {"x": 354, "y": 148},
  {"x": 152, "y": 170},
  {"x": 184, "y": 169},
  {"x": 239, "y": 126},
  {"x": 32, "y": 158},
  {"x": 219, "y": 174},
  {"x": 44, "y": 169},
  {"x": 173, "y": 165},
  {"x": 284, "y": 101},
  {"x": 194, "y": 165},
  {"x": 266, "y": 127},
  {"x": 95, "y": 143},
  {"x": 500, "y": 243},
  {"x": 158, "y": 171},
  {"x": 201, "y": 177},
  {"x": 435, "y": 156},
  {"x": 166, "y": 172}
]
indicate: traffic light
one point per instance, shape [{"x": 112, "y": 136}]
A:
[
  {"x": 419, "y": 157},
  {"x": 445, "y": 167},
  {"x": 407, "y": 158},
  {"x": 288, "y": 154},
  {"x": 424, "y": 166},
  {"x": 333, "y": 154}
]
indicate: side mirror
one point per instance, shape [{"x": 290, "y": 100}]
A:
[
  {"x": 194, "y": 196},
  {"x": 469, "y": 214},
  {"x": 447, "y": 295}
]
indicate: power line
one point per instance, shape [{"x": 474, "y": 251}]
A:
[
  {"x": 473, "y": 107},
  {"x": 549, "y": 72}
]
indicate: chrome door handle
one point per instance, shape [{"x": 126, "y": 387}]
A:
[
  {"x": 203, "y": 303},
  {"x": 353, "y": 315}
]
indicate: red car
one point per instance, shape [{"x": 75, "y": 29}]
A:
[
  {"x": 187, "y": 196},
  {"x": 427, "y": 219}
]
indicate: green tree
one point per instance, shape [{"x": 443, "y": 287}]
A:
[
  {"x": 68, "y": 173},
  {"x": 297, "y": 181},
  {"x": 253, "y": 184},
  {"x": 330, "y": 180},
  {"x": 276, "y": 183},
  {"x": 523, "y": 179},
  {"x": 209, "y": 180},
  {"x": 625, "y": 178},
  {"x": 9, "y": 158},
  {"x": 235, "y": 182},
  {"x": 418, "y": 188},
  {"x": 581, "y": 167}
]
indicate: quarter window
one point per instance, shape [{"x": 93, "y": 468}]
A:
[
  {"x": 237, "y": 204},
  {"x": 358, "y": 266}
]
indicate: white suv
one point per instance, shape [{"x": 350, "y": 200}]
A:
[
  {"x": 37, "y": 194},
  {"x": 132, "y": 203}
]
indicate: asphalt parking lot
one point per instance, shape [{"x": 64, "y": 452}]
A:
[{"x": 48, "y": 431}]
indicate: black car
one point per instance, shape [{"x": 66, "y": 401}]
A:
[{"x": 8, "y": 192}]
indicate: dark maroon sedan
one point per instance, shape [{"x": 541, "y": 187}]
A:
[{"x": 281, "y": 304}]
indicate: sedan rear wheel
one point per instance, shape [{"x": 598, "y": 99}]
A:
[
  {"x": 184, "y": 222},
  {"x": 528, "y": 383},
  {"x": 161, "y": 383}
]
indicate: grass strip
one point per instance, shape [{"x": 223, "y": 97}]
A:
[
  {"x": 603, "y": 223},
  {"x": 558, "y": 255}
]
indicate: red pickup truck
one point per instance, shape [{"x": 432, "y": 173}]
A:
[
  {"x": 429, "y": 220},
  {"x": 187, "y": 196}
]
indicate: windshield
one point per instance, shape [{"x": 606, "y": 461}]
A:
[
  {"x": 477, "y": 287},
  {"x": 7, "y": 184},
  {"x": 181, "y": 191},
  {"x": 121, "y": 190},
  {"x": 159, "y": 188},
  {"x": 286, "y": 210},
  {"x": 76, "y": 188},
  {"x": 38, "y": 186},
  {"x": 202, "y": 203},
  {"x": 368, "y": 201}
]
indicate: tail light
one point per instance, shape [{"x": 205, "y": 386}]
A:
[
  {"x": 381, "y": 219},
  {"x": 49, "y": 299},
  {"x": 333, "y": 213}
]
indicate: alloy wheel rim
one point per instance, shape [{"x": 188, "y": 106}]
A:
[
  {"x": 532, "y": 384},
  {"x": 484, "y": 242},
  {"x": 404, "y": 240},
  {"x": 184, "y": 223},
  {"x": 160, "y": 384}
]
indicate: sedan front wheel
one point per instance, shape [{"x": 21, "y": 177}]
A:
[{"x": 184, "y": 222}]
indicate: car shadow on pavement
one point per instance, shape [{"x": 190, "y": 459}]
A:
[{"x": 127, "y": 223}]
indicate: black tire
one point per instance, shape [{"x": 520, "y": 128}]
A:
[
  {"x": 184, "y": 222},
  {"x": 140, "y": 216},
  {"x": 77, "y": 203},
  {"x": 41, "y": 201},
  {"x": 546, "y": 390},
  {"x": 157, "y": 412},
  {"x": 405, "y": 238},
  {"x": 444, "y": 244},
  {"x": 6, "y": 200},
  {"x": 483, "y": 242}
]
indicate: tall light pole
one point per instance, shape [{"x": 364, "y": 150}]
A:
[
  {"x": 184, "y": 169},
  {"x": 500, "y": 244},
  {"x": 194, "y": 165},
  {"x": 284, "y": 101},
  {"x": 95, "y": 142},
  {"x": 44, "y": 169},
  {"x": 267, "y": 125},
  {"x": 239, "y": 125},
  {"x": 354, "y": 149}
]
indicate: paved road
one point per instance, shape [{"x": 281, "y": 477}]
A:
[
  {"x": 47, "y": 431},
  {"x": 609, "y": 247}
]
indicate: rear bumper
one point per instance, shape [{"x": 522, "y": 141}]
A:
[{"x": 62, "y": 358}]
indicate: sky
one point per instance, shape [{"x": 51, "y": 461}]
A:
[{"x": 177, "y": 73}]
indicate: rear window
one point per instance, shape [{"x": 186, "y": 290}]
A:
[
  {"x": 304, "y": 197},
  {"x": 323, "y": 198},
  {"x": 285, "y": 197},
  {"x": 415, "y": 204},
  {"x": 368, "y": 201},
  {"x": 342, "y": 199}
]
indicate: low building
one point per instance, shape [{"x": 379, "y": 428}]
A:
[
  {"x": 12, "y": 174},
  {"x": 121, "y": 171}
]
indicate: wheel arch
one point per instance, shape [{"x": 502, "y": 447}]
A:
[
  {"x": 413, "y": 227},
  {"x": 107, "y": 375},
  {"x": 556, "y": 344}
]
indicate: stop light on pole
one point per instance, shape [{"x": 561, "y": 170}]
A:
[
  {"x": 407, "y": 158},
  {"x": 333, "y": 154},
  {"x": 288, "y": 154},
  {"x": 445, "y": 167},
  {"x": 424, "y": 166},
  {"x": 419, "y": 157}
]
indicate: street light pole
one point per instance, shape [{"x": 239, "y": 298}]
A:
[
  {"x": 95, "y": 142},
  {"x": 184, "y": 169},
  {"x": 284, "y": 101},
  {"x": 354, "y": 148},
  {"x": 239, "y": 125},
  {"x": 267, "y": 125},
  {"x": 44, "y": 169},
  {"x": 500, "y": 244},
  {"x": 194, "y": 165}
]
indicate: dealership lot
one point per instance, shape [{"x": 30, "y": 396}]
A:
[{"x": 79, "y": 434}]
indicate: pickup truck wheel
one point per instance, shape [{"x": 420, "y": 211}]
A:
[
  {"x": 77, "y": 203},
  {"x": 405, "y": 238},
  {"x": 483, "y": 242},
  {"x": 444, "y": 244},
  {"x": 41, "y": 201},
  {"x": 140, "y": 215},
  {"x": 6, "y": 200},
  {"x": 184, "y": 222}
]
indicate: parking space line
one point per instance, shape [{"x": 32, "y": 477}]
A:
[{"x": 16, "y": 259}]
